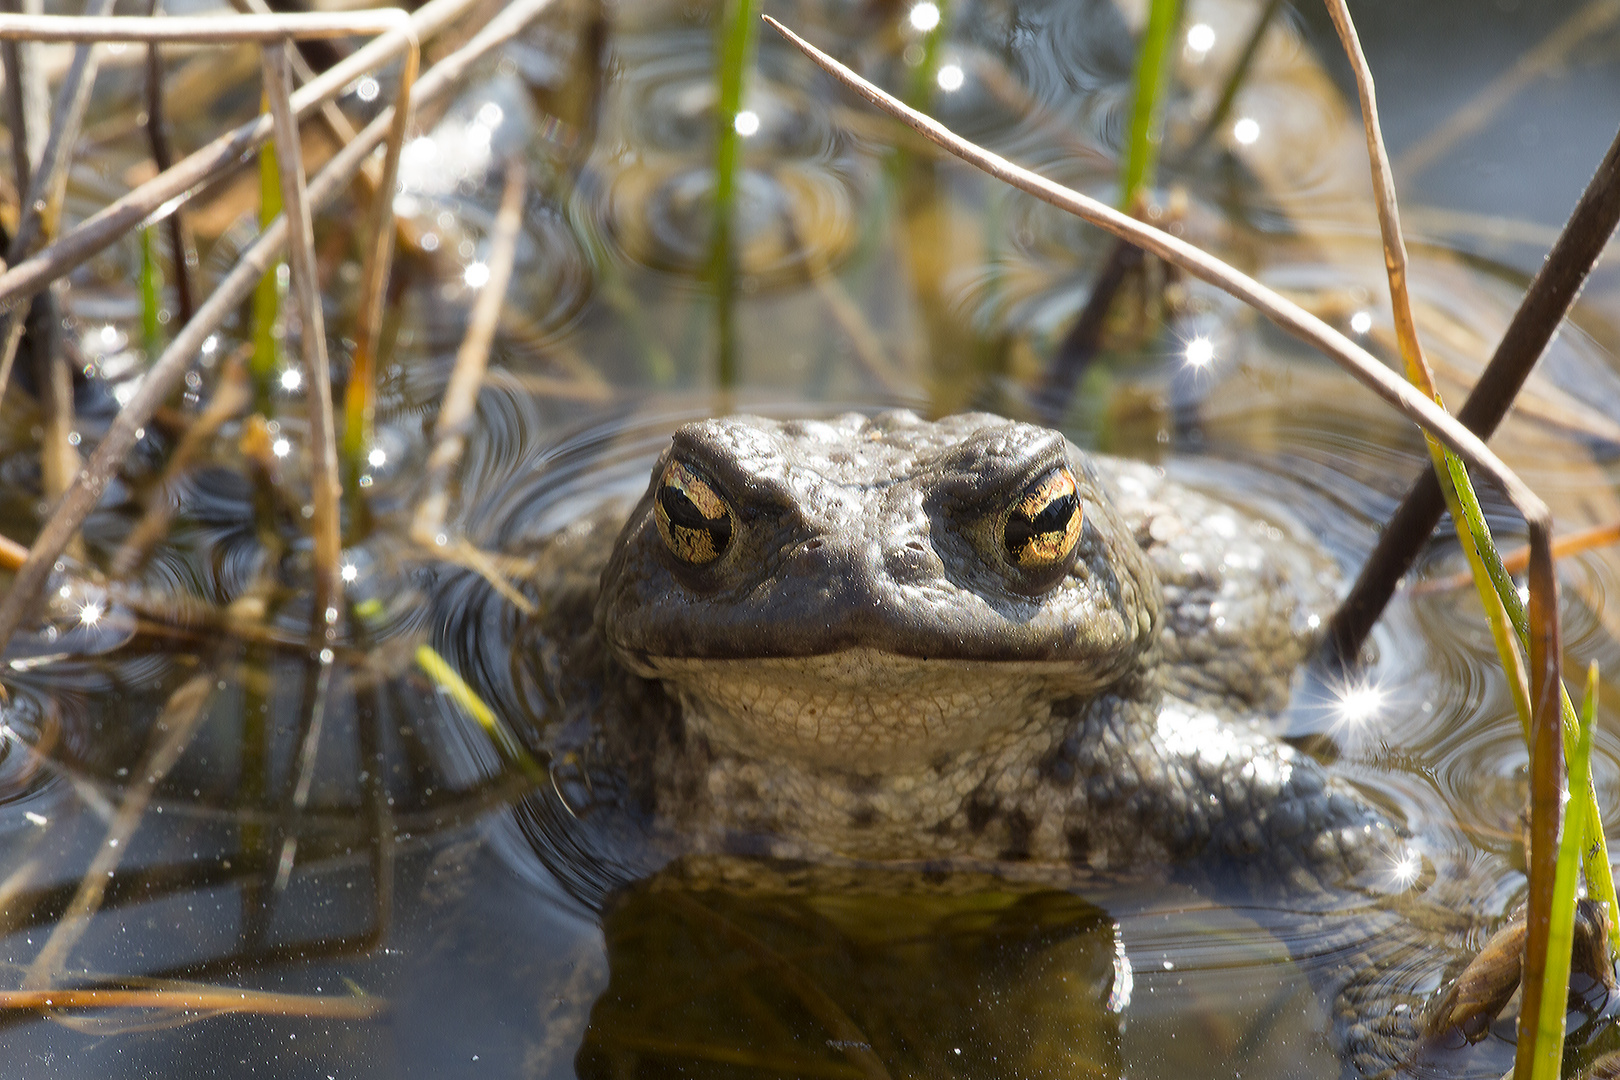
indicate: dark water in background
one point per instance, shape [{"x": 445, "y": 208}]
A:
[{"x": 392, "y": 868}]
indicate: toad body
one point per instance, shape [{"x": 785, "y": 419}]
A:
[
  {"x": 883, "y": 638},
  {"x": 964, "y": 644}
]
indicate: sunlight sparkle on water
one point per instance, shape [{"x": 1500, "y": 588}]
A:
[
  {"x": 1200, "y": 352},
  {"x": 281, "y": 448},
  {"x": 1201, "y": 37},
  {"x": 1361, "y": 322},
  {"x": 476, "y": 275},
  {"x": 350, "y": 571},
  {"x": 925, "y": 16},
  {"x": 746, "y": 123},
  {"x": 90, "y": 613},
  {"x": 1358, "y": 704},
  {"x": 291, "y": 379},
  {"x": 1406, "y": 867},
  {"x": 1246, "y": 130},
  {"x": 377, "y": 458},
  {"x": 951, "y": 78}
]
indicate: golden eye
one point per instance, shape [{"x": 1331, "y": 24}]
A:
[
  {"x": 1044, "y": 524},
  {"x": 693, "y": 519}
]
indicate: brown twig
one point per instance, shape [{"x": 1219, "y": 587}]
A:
[
  {"x": 1538, "y": 317},
  {"x": 256, "y": 259},
  {"x": 303, "y": 777},
  {"x": 172, "y": 732},
  {"x": 461, "y": 395},
  {"x": 157, "y": 137},
  {"x": 1281, "y": 311},
  {"x": 325, "y": 487},
  {"x": 374, "y": 280}
]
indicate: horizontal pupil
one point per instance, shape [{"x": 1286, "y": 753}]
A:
[
  {"x": 1055, "y": 517},
  {"x": 683, "y": 512}
]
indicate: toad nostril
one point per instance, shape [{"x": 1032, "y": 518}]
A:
[
  {"x": 812, "y": 545},
  {"x": 915, "y": 546}
]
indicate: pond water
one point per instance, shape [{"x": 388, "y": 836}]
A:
[{"x": 343, "y": 874}]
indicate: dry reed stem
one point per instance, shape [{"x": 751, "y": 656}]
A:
[
  {"x": 1281, "y": 311},
  {"x": 210, "y": 1000},
  {"x": 157, "y": 135},
  {"x": 456, "y": 414},
  {"x": 325, "y": 487},
  {"x": 304, "y": 777},
  {"x": 1545, "y": 716},
  {"x": 223, "y": 155},
  {"x": 172, "y": 732},
  {"x": 379, "y": 260},
  {"x": 255, "y": 261}
]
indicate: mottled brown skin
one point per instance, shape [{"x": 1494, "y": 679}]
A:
[{"x": 863, "y": 674}]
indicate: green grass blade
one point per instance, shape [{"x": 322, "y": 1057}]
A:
[
  {"x": 150, "y": 286},
  {"x": 1146, "y": 130},
  {"x": 1491, "y": 575},
  {"x": 1549, "y": 1052},
  {"x": 737, "y": 27},
  {"x": 267, "y": 296}
]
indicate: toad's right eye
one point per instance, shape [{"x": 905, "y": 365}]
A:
[{"x": 693, "y": 519}]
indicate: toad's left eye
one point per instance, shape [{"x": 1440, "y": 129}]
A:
[
  {"x": 693, "y": 518},
  {"x": 1043, "y": 525}
]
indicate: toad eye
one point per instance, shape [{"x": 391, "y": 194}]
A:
[
  {"x": 1043, "y": 525},
  {"x": 693, "y": 519}
]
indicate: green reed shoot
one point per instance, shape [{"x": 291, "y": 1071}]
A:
[
  {"x": 267, "y": 296},
  {"x": 927, "y": 69},
  {"x": 1146, "y": 131},
  {"x": 1500, "y": 595},
  {"x": 1549, "y": 1049},
  {"x": 736, "y": 46},
  {"x": 151, "y": 284}
]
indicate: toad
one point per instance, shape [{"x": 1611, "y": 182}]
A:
[{"x": 960, "y": 643}]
